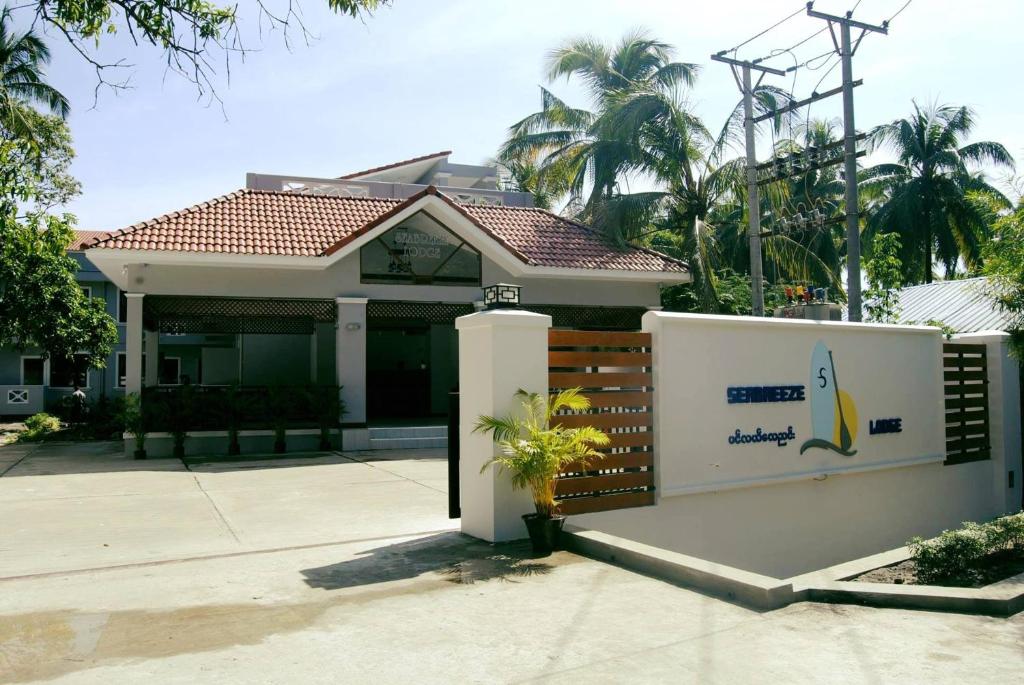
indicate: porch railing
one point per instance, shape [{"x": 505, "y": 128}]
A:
[{"x": 245, "y": 407}]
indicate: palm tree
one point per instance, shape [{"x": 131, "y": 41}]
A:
[
  {"x": 925, "y": 195},
  {"x": 577, "y": 149},
  {"x": 23, "y": 56},
  {"x": 699, "y": 213}
]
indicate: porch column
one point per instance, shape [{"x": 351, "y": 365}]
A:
[
  {"x": 152, "y": 358},
  {"x": 500, "y": 351},
  {"x": 350, "y": 365},
  {"x": 133, "y": 344}
]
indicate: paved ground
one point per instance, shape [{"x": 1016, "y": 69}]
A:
[{"x": 339, "y": 569}]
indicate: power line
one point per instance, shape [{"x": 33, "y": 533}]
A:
[
  {"x": 898, "y": 12},
  {"x": 773, "y": 26}
]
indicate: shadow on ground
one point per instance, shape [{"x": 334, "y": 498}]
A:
[{"x": 455, "y": 557}]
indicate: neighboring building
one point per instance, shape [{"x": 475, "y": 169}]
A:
[
  {"x": 963, "y": 305},
  {"x": 28, "y": 383},
  {"x": 357, "y": 281}
]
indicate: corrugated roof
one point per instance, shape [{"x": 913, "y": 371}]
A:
[{"x": 963, "y": 304}]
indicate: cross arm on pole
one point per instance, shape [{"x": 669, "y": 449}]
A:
[
  {"x": 848, "y": 20},
  {"x": 720, "y": 57}
]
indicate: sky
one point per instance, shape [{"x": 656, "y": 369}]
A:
[{"x": 420, "y": 77}]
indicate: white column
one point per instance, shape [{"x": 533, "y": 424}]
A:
[
  {"x": 1004, "y": 417},
  {"x": 500, "y": 352},
  {"x": 152, "y": 358},
  {"x": 350, "y": 370},
  {"x": 133, "y": 344}
]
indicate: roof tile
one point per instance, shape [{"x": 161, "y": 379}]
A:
[{"x": 282, "y": 223}]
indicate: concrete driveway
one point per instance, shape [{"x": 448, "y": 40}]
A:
[
  {"x": 68, "y": 507},
  {"x": 345, "y": 569}
]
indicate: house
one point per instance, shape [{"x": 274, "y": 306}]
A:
[
  {"x": 29, "y": 384},
  {"x": 357, "y": 281}
]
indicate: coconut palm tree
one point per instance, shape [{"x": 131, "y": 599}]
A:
[
  {"x": 581, "y": 152},
  {"x": 23, "y": 57},
  {"x": 925, "y": 195},
  {"x": 701, "y": 202}
]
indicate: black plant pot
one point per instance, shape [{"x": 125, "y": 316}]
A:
[
  {"x": 545, "y": 532},
  {"x": 140, "y": 454}
]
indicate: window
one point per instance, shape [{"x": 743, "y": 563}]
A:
[
  {"x": 33, "y": 371},
  {"x": 122, "y": 307},
  {"x": 87, "y": 291},
  {"x": 420, "y": 251},
  {"x": 122, "y": 369},
  {"x": 170, "y": 371},
  {"x": 70, "y": 373}
]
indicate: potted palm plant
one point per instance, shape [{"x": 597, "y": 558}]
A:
[{"x": 534, "y": 452}]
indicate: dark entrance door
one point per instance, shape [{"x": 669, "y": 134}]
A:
[{"x": 411, "y": 365}]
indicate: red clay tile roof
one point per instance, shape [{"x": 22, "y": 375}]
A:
[
  {"x": 395, "y": 165},
  {"x": 84, "y": 238},
  {"x": 262, "y": 222}
]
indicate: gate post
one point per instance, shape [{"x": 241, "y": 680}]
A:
[
  {"x": 1004, "y": 417},
  {"x": 500, "y": 351}
]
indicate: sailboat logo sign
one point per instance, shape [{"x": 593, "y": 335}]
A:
[{"x": 833, "y": 412}]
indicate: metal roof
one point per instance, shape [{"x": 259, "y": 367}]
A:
[{"x": 963, "y": 304}]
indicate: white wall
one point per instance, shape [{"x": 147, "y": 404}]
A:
[{"x": 769, "y": 509}]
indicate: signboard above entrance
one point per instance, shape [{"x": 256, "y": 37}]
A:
[{"x": 420, "y": 251}]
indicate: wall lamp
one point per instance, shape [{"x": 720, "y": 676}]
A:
[{"x": 501, "y": 296}]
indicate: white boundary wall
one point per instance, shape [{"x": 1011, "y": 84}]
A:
[{"x": 767, "y": 508}]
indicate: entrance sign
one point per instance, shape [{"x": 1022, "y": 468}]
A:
[
  {"x": 420, "y": 251},
  {"x": 873, "y": 399},
  {"x": 833, "y": 413}
]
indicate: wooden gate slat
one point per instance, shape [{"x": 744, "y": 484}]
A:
[
  {"x": 562, "y": 338},
  {"x": 570, "y": 360},
  {"x": 587, "y": 505},
  {"x": 583, "y": 379},
  {"x": 618, "y": 460},
  {"x": 617, "y": 398},
  {"x": 615, "y": 481},
  {"x": 632, "y": 419}
]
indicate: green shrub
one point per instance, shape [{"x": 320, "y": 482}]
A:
[
  {"x": 39, "y": 425},
  {"x": 955, "y": 555}
]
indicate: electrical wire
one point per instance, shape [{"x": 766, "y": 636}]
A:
[
  {"x": 899, "y": 11},
  {"x": 773, "y": 26}
]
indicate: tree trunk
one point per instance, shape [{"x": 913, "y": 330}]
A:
[{"x": 927, "y": 245}]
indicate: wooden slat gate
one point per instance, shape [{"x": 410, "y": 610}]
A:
[
  {"x": 614, "y": 369},
  {"x": 965, "y": 374}
]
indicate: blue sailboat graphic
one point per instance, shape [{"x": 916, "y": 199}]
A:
[{"x": 833, "y": 413}]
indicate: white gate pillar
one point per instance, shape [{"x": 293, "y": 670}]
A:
[
  {"x": 1004, "y": 416},
  {"x": 133, "y": 344},
  {"x": 500, "y": 352}
]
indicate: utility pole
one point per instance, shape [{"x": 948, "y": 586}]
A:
[
  {"x": 753, "y": 199},
  {"x": 845, "y": 47}
]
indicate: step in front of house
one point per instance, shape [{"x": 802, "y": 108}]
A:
[{"x": 408, "y": 437}]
